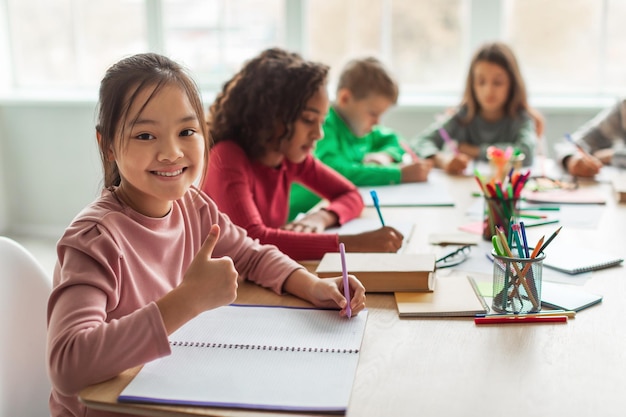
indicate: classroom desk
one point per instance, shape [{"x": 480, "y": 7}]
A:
[{"x": 451, "y": 367}]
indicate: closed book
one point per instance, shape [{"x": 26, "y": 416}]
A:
[
  {"x": 454, "y": 296},
  {"x": 383, "y": 272}
]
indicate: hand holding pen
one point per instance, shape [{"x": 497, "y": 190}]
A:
[{"x": 582, "y": 164}]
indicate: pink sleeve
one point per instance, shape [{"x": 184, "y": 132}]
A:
[
  {"x": 228, "y": 183},
  {"x": 83, "y": 348},
  {"x": 262, "y": 264},
  {"x": 343, "y": 196}
]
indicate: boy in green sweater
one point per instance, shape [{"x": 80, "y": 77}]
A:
[{"x": 353, "y": 143}]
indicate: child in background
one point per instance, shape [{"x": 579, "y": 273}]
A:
[
  {"x": 153, "y": 251},
  {"x": 265, "y": 123},
  {"x": 603, "y": 140},
  {"x": 353, "y": 143},
  {"x": 494, "y": 111}
]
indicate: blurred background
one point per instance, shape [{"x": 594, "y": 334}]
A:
[{"x": 53, "y": 54}]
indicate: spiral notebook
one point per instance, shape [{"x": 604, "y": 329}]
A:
[
  {"x": 253, "y": 357},
  {"x": 576, "y": 260}
]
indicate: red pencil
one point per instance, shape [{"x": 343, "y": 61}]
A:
[{"x": 520, "y": 319}]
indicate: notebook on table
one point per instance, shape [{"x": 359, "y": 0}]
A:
[
  {"x": 567, "y": 297},
  {"x": 365, "y": 224},
  {"x": 560, "y": 196},
  {"x": 454, "y": 296},
  {"x": 414, "y": 194},
  {"x": 576, "y": 260},
  {"x": 265, "y": 358}
]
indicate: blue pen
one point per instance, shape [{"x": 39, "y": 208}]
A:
[
  {"x": 523, "y": 230},
  {"x": 516, "y": 233},
  {"x": 375, "y": 198},
  {"x": 346, "y": 284}
]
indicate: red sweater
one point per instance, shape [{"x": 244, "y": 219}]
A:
[{"x": 256, "y": 197}]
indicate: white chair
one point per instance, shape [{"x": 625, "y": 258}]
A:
[{"x": 24, "y": 291}]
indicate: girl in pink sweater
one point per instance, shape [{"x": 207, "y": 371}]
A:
[
  {"x": 153, "y": 251},
  {"x": 265, "y": 123}
]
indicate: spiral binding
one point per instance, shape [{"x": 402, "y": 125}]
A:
[{"x": 262, "y": 347}]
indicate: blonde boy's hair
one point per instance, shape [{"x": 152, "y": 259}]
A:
[{"x": 366, "y": 76}]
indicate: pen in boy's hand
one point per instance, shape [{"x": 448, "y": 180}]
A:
[{"x": 346, "y": 283}]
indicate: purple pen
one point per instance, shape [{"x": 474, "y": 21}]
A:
[
  {"x": 346, "y": 284},
  {"x": 448, "y": 140}
]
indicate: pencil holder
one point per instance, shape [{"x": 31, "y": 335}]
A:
[
  {"x": 499, "y": 212},
  {"x": 517, "y": 284}
]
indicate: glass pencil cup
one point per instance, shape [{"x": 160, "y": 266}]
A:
[
  {"x": 499, "y": 212},
  {"x": 517, "y": 284}
]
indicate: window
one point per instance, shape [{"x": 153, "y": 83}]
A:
[
  {"x": 69, "y": 43},
  {"x": 565, "y": 47},
  {"x": 213, "y": 38},
  {"x": 422, "y": 41}
]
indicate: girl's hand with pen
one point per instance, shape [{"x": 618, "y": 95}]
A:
[
  {"x": 583, "y": 165},
  {"x": 326, "y": 292},
  {"x": 457, "y": 164},
  {"x": 385, "y": 239}
]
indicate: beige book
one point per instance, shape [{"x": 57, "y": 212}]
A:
[
  {"x": 383, "y": 272},
  {"x": 454, "y": 296}
]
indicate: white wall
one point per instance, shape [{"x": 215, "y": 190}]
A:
[
  {"x": 50, "y": 163},
  {"x": 3, "y": 192},
  {"x": 51, "y": 166}
]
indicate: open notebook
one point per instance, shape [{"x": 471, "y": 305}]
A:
[
  {"x": 433, "y": 192},
  {"x": 364, "y": 224},
  {"x": 271, "y": 358}
]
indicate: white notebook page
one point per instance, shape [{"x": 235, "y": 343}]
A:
[{"x": 257, "y": 357}]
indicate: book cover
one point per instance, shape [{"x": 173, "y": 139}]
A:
[
  {"x": 383, "y": 272},
  {"x": 454, "y": 296}
]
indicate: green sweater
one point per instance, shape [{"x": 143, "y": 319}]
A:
[{"x": 343, "y": 151}]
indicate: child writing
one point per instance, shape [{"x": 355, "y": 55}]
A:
[
  {"x": 354, "y": 144},
  {"x": 602, "y": 139},
  {"x": 494, "y": 111},
  {"x": 152, "y": 251},
  {"x": 265, "y": 123}
]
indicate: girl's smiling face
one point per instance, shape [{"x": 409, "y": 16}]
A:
[
  {"x": 492, "y": 86},
  {"x": 162, "y": 151}
]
